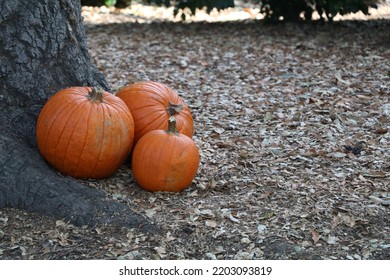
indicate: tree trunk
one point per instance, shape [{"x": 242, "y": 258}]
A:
[{"x": 42, "y": 50}]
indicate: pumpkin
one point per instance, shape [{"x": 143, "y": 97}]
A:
[
  {"x": 84, "y": 132},
  {"x": 151, "y": 104},
  {"x": 165, "y": 160}
]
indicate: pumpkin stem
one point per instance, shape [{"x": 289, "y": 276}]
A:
[
  {"x": 172, "y": 128},
  {"x": 96, "y": 94},
  {"x": 174, "y": 108}
]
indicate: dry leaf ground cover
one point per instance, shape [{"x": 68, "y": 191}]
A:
[{"x": 292, "y": 122}]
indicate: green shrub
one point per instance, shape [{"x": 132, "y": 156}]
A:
[
  {"x": 331, "y": 7},
  {"x": 296, "y": 10},
  {"x": 273, "y": 10},
  {"x": 108, "y": 3},
  {"x": 276, "y": 10},
  {"x": 184, "y": 7},
  {"x": 288, "y": 10}
]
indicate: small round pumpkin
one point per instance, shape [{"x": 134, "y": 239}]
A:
[
  {"x": 84, "y": 132},
  {"x": 165, "y": 160},
  {"x": 151, "y": 104}
]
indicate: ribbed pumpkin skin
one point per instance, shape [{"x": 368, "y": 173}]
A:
[
  {"x": 84, "y": 138},
  {"x": 165, "y": 162},
  {"x": 148, "y": 101}
]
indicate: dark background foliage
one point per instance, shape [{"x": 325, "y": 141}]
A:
[{"x": 273, "y": 10}]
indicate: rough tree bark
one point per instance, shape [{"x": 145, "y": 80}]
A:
[{"x": 42, "y": 50}]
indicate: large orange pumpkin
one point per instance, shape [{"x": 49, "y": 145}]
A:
[
  {"x": 165, "y": 160},
  {"x": 151, "y": 104},
  {"x": 85, "y": 133}
]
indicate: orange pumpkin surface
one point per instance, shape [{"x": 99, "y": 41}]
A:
[
  {"x": 85, "y": 133},
  {"x": 151, "y": 104},
  {"x": 164, "y": 160}
]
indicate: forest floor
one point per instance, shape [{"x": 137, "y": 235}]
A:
[{"x": 293, "y": 125}]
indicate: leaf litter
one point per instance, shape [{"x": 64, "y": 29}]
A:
[{"x": 292, "y": 123}]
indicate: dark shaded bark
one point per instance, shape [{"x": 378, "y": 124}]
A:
[{"x": 42, "y": 50}]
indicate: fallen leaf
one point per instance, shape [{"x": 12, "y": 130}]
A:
[
  {"x": 261, "y": 229},
  {"x": 267, "y": 215},
  {"x": 341, "y": 80},
  {"x": 335, "y": 222},
  {"x": 169, "y": 236},
  {"x": 151, "y": 212},
  {"x": 348, "y": 220},
  {"x": 381, "y": 130},
  {"x": 315, "y": 235},
  {"x": 219, "y": 130},
  {"x": 337, "y": 155},
  {"x": 161, "y": 251},
  {"x": 332, "y": 240},
  {"x": 227, "y": 214},
  {"x": 211, "y": 256},
  {"x": 211, "y": 223},
  {"x": 375, "y": 174}
]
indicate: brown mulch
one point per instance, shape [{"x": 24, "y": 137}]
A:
[{"x": 292, "y": 122}]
